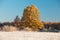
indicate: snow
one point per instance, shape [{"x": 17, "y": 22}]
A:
[{"x": 22, "y": 35}]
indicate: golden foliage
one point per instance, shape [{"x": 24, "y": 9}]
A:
[{"x": 31, "y": 18}]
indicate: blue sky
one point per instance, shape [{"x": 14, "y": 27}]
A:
[{"x": 49, "y": 9}]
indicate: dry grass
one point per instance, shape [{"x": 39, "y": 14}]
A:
[{"x": 9, "y": 28}]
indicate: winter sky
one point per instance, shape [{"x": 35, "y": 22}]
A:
[{"x": 49, "y": 9}]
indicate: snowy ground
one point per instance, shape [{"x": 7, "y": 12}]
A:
[{"x": 29, "y": 36}]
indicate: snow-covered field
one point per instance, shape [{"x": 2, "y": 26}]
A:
[{"x": 29, "y": 36}]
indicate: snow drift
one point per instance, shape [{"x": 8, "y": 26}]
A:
[{"x": 29, "y": 36}]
